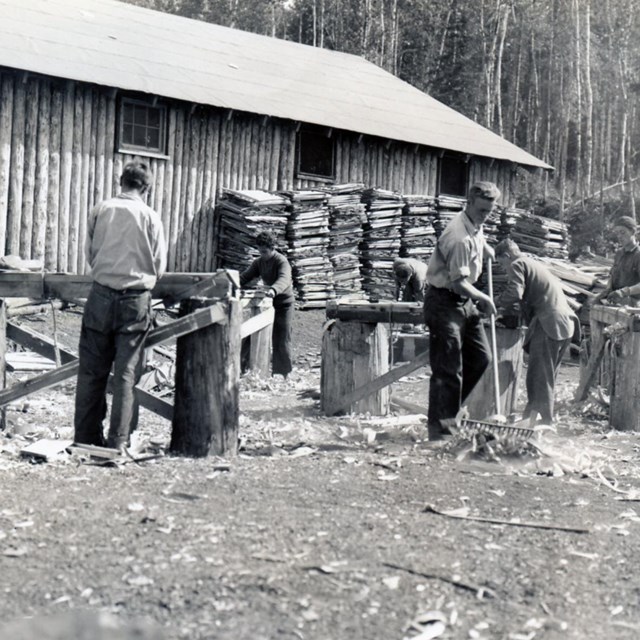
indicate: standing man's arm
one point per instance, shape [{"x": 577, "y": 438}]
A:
[
  {"x": 159, "y": 251},
  {"x": 458, "y": 265},
  {"x": 283, "y": 281},
  {"x": 250, "y": 273}
]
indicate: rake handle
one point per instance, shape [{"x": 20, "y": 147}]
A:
[{"x": 494, "y": 344}]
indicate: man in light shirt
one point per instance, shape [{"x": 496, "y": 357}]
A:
[
  {"x": 459, "y": 351},
  {"x": 127, "y": 254}
]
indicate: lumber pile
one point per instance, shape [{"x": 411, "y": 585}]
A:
[
  {"x": 380, "y": 242},
  {"x": 541, "y": 236},
  {"x": 308, "y": 239},
  {"x": 418, "y": 236},
  {"x": 239, "y": 217},
  {"x": 346, "y": 219},
  {"x": 448, "y": 207}
]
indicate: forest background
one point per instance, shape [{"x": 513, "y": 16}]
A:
[{"x": 558, "y": 78}]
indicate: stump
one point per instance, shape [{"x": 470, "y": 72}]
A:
[
  {"x": 206, "y": 412},
  {"x": 480, "y": 402},
  {"x": 353, "y": 354}
]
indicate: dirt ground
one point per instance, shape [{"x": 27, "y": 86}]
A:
[{"x": 321, "y": 528}]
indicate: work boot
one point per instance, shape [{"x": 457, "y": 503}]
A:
[{"x": 437, "y": 432}]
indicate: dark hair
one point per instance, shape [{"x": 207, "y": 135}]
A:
[
  {"x": 265, "y": 239},
  {"x": 507, "y": 246},
  {"x": 136, "y": 175},
  {"x": 402, "y": 271},
  {"x": 484, "y": 190}
]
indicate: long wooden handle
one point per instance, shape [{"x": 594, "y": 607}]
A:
[{"x": 494, "y": 344}]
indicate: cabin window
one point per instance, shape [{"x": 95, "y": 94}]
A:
[
  {"x": 142, "y": 127},
  {"x": 315, "y": 153},
  {"x": 453, "y": 175}
]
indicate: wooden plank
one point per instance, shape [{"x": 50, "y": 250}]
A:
[
  {"x": 612, "y": 315},
  {"x": 76, "y": 207},
  {"x": 379, "y": 383},
  {"x": 53, "y": 202},
  {"x": 66, "y": 156},
  {"x": 46, "y": 348},
  {"x": 216, "y": 313},
  {"x": 21, "y": 284},
  {"x": 587, "y": 377},
  {"x": 84, "y": 189},
  {"x": 256, "y": 323}
]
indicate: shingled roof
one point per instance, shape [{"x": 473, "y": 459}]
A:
[{"x": 120, "y": 45}]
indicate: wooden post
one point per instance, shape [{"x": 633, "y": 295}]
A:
[
  {"x": 481, "y": 401},
  {"x": 353, "y": 354},
  {"x": 206, "y": 412},
  {"x": 3, "y": 348}
]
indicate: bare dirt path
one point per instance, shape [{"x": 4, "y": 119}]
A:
[{"x": 318, "y": 529}]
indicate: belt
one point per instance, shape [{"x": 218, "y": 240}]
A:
[
  {"x": 447, "y": 293},
  {"x": 119, "y": 291}
]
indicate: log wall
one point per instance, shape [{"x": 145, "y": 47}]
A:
[{"x": 58, "y": 158}]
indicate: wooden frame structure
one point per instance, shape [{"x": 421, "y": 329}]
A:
[
  {"x": 218, "y": 289},
  {"x": 615, "y": 357}
]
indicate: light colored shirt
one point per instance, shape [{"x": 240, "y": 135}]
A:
[
  {"x": 125, "y": 243},
  {"x": 458, "y": 253}
]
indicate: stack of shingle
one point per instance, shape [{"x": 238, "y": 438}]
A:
[
  {"x": 308, "y": 238},
  {"x": 346, "y": 218},
  {"x": 381, "y": 242},
  {"x": 239, "y": 217},
  {"x": 418, "y": 232},
  {"x": 448, "y": 208},
  {"x": 541, "y": 236}
]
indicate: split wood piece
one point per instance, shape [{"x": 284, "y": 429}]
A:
[
  {"x": 31, "y": 309},
  {"x": 409, "y": 406},
  {"x": 206, "y": 415},
  {"x": 197, "y": 320},
  {"x": 258, "y": 330},
  {"x": 588, "y": 375},
  {"x": 45, "y": 449},
  {"x": 480, "y": 591},
  {"x": 379, "y": 383},
  {"x": 534, "y": 525}
]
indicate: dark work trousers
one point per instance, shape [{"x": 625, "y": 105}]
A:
[
  {"x": 545, "y": 356},
  {"x": 114, "y": 327},
  {"x": 459, "y": 352},
  {"x": 281, "y": 340}
]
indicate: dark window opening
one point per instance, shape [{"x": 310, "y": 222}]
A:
[
  {"x": 142, "y": 127},
  {"x": 453, "y": 176},
  {"x": 315, "y": 153}
]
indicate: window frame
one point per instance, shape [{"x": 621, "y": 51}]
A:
[
  {"x": 461, "y": 158},
  {"x": 318, "y": 131},
  {"x": 140, "y": 150}
]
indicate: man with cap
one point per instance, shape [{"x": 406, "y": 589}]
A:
[
  {"x": 534, "y": 294},
  {"x": 624, "y": 280},
  {"x": 458, "y": 347},
  {"x": 411, "y": 279}
]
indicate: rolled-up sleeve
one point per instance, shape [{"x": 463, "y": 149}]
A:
[{"x": 459, "y": 260}]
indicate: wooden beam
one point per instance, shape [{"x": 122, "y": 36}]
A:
[
  {"x": 35, "y": 341},
  {"x": 256, "y": 323},
  {"x": 612, "y": 315},
  {"x": 194, "y": 321},
  {"x": 65, "y": 286},
  {"x": 386, "y": 311},
  {"x": 379, "y": 383}
]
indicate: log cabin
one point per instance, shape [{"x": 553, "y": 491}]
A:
[{"x": 86, "y": 85}]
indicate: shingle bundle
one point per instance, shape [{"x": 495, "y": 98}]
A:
[
  {"x": 381, "y": 242},
  {"x": 239, "y": 217},
  {"x": 346, "y": 219},
  {"x": 448, "y": 208},
  {"x": 418, "y": 237},
  {"x": 541, "y": 236},
  {"x": 308, "y": 238}
]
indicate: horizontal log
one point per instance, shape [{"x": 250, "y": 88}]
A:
[
  {"x": 401, "y": 312},
  {"x": 65, "y": 286}
]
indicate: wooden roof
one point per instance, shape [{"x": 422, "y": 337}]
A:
[{"x": 128, "y": 47}]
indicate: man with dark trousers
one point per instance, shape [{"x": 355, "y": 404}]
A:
[
  {"x": 453, "y": 306},
  {"x": 127, "y": 254},
  {"x": 535, "y": 295},
  {"x": 275, "y": 272}
]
